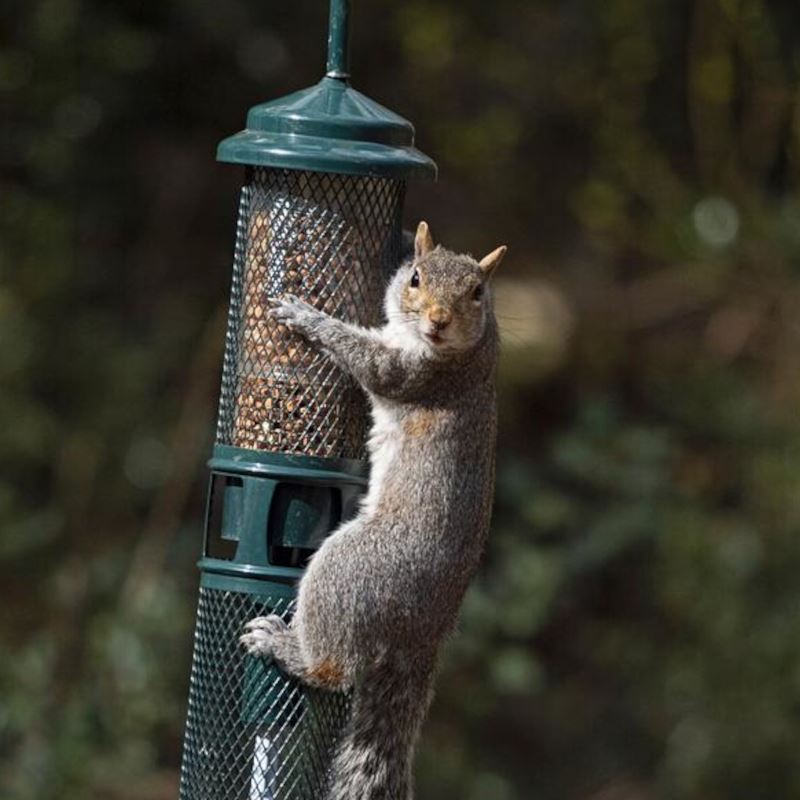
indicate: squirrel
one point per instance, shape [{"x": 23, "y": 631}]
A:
[{"x": 384, "y": 589}]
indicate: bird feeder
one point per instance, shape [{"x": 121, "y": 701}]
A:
[{"x": 320, "y": 218}]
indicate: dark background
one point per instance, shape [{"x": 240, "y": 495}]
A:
[{"x": 635, "y": 630}]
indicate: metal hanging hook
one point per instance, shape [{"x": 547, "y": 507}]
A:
[{"x": 339, "y": 40}]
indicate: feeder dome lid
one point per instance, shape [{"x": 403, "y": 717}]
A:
[{"x": 329, "y": 127}]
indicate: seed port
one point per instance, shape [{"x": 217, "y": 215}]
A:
[
  {"x": 300, "y": 518},
  {"x": 225, "y": 498}
]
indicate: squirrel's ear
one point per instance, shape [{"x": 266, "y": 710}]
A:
[
  {"x": 490, "y": 262},
  {"x": 423, "y": 241}
]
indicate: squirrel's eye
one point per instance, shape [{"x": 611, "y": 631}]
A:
[
  {"x": 415, "y": 280},
  {"x": 477, "y": 292}
]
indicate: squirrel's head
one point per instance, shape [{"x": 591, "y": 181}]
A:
[{"x": 440, "y": 299}]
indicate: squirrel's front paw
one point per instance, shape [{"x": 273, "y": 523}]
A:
[
  {"x": 260, "y": 634},
  {"x": 294, "y": 313}
]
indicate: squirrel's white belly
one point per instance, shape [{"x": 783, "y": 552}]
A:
[{"x": 383, "y": 444}]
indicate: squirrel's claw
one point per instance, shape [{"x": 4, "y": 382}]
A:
[
  {"x": 260, "y": 634},
  {"x": 293, "y": 312},
  {"x": 257, "y": 643},
  {"x": 272, "y": 624}
]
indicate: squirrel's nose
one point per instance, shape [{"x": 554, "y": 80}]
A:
[{"x": 440, "y": 317}]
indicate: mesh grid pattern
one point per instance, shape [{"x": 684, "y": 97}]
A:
[
  {"x": 252, "y": 734},
  {"x": 331, "y": 240}
]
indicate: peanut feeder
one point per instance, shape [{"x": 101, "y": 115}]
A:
[{"x": 319, "y": 217}]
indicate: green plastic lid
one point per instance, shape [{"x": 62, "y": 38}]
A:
[{"x": 329, "y": 127}]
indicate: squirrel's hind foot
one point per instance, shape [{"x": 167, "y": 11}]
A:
[
  {"x": 261, "y": 633},
  {"x": 270, "y": 637}
]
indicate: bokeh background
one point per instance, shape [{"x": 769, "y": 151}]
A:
[{"x": 635, "y": 630}]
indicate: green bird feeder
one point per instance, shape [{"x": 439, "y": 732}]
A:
[{"x": 320, "y": 218}]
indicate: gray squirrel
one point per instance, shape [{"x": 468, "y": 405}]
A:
[{"x": 385, "y": 588}]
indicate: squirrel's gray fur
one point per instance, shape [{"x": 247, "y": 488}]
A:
[{"x": 385, "y": 588}]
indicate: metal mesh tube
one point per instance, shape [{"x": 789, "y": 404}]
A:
[
  {"x": 251, "y": 733},
  {"x": 331, "y": 240}
]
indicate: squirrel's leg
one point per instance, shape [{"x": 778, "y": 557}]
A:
[
  {"x": 380, "y": 369},
  {"x": 271, "y": 637}
]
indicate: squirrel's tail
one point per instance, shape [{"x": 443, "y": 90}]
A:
[{"x": 373, "y": 761}]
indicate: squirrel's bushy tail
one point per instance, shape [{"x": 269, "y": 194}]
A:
[{"x": 373, "y": 760}]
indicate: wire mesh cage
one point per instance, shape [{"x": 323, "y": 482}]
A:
[
  {"x": 330, "y": 240},
  {"x": 252, "y": 734}
]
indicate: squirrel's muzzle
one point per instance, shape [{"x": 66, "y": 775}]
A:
[{"x": 439, "y": 317}]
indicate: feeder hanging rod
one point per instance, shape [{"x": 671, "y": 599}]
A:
[{"x": 338, "y": 40}]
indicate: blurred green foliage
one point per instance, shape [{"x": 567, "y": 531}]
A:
[{"x": 633, "y": 633}]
